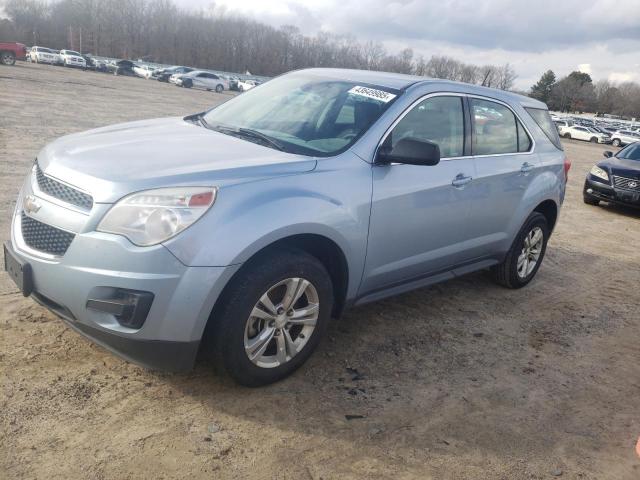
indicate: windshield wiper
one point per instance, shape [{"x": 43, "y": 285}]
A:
[
  {"x": 256, "y": 134},
  {"x": 246, "y": 132}
]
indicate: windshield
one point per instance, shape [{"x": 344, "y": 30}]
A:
[
  {"x": 630, "y": 152},
  {"x": 305, "y": 114}
]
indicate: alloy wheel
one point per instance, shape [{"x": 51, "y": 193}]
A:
[
  {"x": 531, "y": 251},
  {"x": 281, "y": 322}
]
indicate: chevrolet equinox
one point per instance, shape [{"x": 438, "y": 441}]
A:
[{"x": 245, "y": 228}]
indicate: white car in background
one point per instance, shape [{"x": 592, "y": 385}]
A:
[
  {"x": 244, "y": 85},
  {"x": 587, "y": 134},
  {"x": 624, "y": 137},
  {"x": 200, "y": 79},
  {"x": 143, "y": 71},
  {"x": 43, "y": 55},
  {"x": 72, "y": 58}
]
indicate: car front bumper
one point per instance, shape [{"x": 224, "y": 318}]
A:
[
  {"x": 608, "y": 193},
  {"x": 100, "y": 266}
]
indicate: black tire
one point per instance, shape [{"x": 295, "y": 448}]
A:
[
  {"x": 187, "y": 83},
  {"x": 226, "y": 337},
  {"x": 7, "y": 58},
  {"x": 616, "y": 142},
  {"x": 506, "y": 273},
  {"x": 593, "y": 140},
  {"x": 219, "y": 88},
  {"x": 567, "y": 135}
]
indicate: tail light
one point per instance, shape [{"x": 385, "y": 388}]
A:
[{"x": 567, "y": 166}]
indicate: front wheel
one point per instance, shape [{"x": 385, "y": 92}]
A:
[
  {"x": 525, "y": 255},
  {"x": 567, "y": 135},
  {"x": 616, "y": 142},
  {"x": 272, "y": 317},
  {"x": 593, "y": 140}
]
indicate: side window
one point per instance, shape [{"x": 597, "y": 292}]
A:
[
  {"x": 496, "y": 130},
  {"x": 524, "y": 142},
  {"x": 439, "y": 120}
]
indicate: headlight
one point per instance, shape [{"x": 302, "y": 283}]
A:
[
  {"x": 153, "y": 216},
  {"x": 596, "y": 171}
]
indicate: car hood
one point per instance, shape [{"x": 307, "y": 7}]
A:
[
  {"x": 622, "y": 167},
  {"x": 114, "y": 161}
]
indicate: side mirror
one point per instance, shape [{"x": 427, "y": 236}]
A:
[
  {"x": 410, "y": 151},
  {"x": 608, "y": 154}
]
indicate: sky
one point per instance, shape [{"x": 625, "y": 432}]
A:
[{"x": 599, "y": 37}]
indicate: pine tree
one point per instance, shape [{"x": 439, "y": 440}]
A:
[{"x": 542, "y": 90}]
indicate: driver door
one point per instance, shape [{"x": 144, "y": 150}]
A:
[{"x": 420, "y": 215}]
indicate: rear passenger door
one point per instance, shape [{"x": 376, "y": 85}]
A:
[{"x": 505, "y": 161}]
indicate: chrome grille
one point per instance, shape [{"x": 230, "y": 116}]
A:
[
  {"x": 62, "y": 192},
  {"x": 45, "y": 238},
  {"x": 624, "y": 183}
]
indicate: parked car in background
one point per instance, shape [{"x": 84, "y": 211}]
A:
[
  {"x": 43, "y": 55},
  {"x": 233, "y": 83},
  {"x": 12, "y": 51},
  {"x": 243, "y": 229},
  {"x": 200, "y": 79},
  {"x": 122, "y": 67},
  {"x": 59, "y": 60},
  {"x": 562, "y": 124},
  {"x": 615, "y": 179},
  {"x": 163, "y": 74},
  {"x": 587, "y": 134},
  {"x": 624, "y": 137},
  {"x": 71, "y": 58},
  {"x": 95, "y": 64},
  {"x": 143, "y": 71},
  {"x": 244, "y": 85}
]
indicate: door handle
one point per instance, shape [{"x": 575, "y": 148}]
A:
[
  {"x": 460, "y": 180},
  {"x": 526, "y": 167}
]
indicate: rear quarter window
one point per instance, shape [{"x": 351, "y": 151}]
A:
[{"x": 542, "y": 118}]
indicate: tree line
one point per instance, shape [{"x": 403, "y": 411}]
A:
[
  {"x": 578, "y": 93},
  {"x": 158, "y": 31}
]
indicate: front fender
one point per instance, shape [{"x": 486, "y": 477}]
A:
[{"x": 329, "y": 201}]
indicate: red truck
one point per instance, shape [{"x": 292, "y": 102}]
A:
[{"x": 10, "y": 51}]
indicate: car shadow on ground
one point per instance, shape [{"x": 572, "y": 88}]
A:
[{"x": 462, "y": 363}]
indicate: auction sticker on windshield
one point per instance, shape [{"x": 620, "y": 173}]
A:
[{"x": 372, "y": 93}]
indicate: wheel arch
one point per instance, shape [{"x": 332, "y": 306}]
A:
[
  {"x": 323, "y": 248},
  {"x": 549, "y": 209}
]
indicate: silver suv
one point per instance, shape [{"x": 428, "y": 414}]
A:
[{"x": 243, "y": 229}]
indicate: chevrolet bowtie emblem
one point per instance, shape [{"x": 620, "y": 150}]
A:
[
  {"x": 633, "y": 184},
  {"x": 31, "y": 204}
]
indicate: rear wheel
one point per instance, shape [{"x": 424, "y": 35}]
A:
[
  {"x": 525, "y": 255},
  {"x": 7, "y": 58},
  {"x": 273, "y": 317},
  {"x": 219, "y": 88}
]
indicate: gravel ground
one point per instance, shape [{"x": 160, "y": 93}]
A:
[{"x": 463, "y": 380}]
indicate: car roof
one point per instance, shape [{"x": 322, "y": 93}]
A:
[{"x": 400, "y": 81}]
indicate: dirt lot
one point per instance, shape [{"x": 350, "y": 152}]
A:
[{"x": 461, "y": 380}]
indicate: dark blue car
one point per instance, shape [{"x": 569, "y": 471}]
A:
[{"x": 615, "y": 179}]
